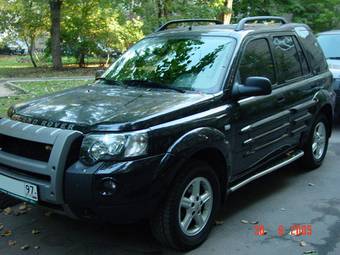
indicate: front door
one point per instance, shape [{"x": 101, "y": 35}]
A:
[{"x": 260, "y": 125}]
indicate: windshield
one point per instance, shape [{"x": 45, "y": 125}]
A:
[
  {"x": 192, "y": 63},
  {"x": 330, "y": 45}
]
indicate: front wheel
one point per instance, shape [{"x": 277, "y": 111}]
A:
[
  {"x": 316, "y": 147},
  {"x": 186, "y": 217}
]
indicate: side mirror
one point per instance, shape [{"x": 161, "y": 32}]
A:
[
  {"x": 99, "y": 74},
  {"x": 254, "y": 86}
]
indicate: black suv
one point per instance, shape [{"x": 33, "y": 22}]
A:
[{"x": 185, "y": 116}]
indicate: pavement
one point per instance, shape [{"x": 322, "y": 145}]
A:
[{"x": 285, "y": 198}]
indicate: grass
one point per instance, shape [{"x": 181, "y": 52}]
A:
[
  {"x": 35, "y": 89},
  {"x": 21, "y": 67}
]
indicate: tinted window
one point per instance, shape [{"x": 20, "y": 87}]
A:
[
  {"x": 257, "y": 61},
  {"x": 313, "y": 50},
  {"x": 287, "y": 58},
  {"x": 303, "y": 59}
]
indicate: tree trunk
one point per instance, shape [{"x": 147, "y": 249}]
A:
[
  {"x": 30, "y": 49},
  {"x": 55, "y": 7},
  {"x": 81, "y": 60},
  {"x": 107, "y": 59},
  {"x": 226, "y": 16}
]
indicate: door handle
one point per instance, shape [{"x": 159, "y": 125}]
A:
[{"x": 281, "y": 99}]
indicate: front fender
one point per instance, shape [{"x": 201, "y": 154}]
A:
[{"x": 191, "y": 143}]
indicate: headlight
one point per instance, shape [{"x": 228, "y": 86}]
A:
[{"x": 113, "y": 146}]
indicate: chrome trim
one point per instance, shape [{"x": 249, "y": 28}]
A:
[
  {"x": 246, "y": 129},
  {"x": 227, "y": 127},
  {"x": 245, "y": 100},
  {"x": 195, "y": 117},
  {"x": 298, "y": 155}
]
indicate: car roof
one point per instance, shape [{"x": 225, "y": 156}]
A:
[{"x": 228, "y": 30}]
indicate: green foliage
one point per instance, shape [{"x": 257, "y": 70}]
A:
[
  {"x": 319, "y": 15},
  {"x": 100, "y": 27},
  {"x": 97, "y": 28}
]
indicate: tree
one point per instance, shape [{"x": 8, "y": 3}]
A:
[
  {"x": 24, "y": 19},
  {"x": 97, "y": 28},
  {"x": 227, "y": 12},
  {"x": 55, "y": 10}
]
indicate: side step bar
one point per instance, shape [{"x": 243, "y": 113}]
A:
[{"x": 291, "y": 158}]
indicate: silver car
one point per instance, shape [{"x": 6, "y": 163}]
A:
[{"x": 330, "y": 43}]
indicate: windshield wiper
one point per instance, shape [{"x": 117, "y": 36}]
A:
[
  {"x": 336, "y": 58},
  {"x": 152, "y": 84}
]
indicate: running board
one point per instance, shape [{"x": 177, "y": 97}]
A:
[{"x": 291, "y": 158}]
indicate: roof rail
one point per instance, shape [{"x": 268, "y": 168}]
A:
[
  {"x": 240, "y": 26},
  {"x": 165, "y": 26}
]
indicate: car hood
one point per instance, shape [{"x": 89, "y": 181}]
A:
[
  {"x": 334, "y": 67},
  {"x": 121, "y": 108}
]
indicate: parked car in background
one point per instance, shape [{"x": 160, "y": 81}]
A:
[{"x": 330, "y": 44}]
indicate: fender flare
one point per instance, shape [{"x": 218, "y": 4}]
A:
[{"x": 191, "y": 143}]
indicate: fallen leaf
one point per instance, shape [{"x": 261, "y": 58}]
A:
[
  {"x": 244, "y": 221},
  {"x": 6, "y": 233},
  {"x": 303, "y": 243},
  {"x": 310, "y": 252},
  {"x": 23, "y": 207},
  {"x": 35, "y": 232},
  {"x": 12, "y": 243},
  {"x": 25, "y": 247},
  {"x": 8, "y": 211},
  {"x": 219, "y": 222}
]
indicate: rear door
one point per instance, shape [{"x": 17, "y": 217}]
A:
[
  {"x": 295, "y": 83},
  {"x": 260, "y": 125}
]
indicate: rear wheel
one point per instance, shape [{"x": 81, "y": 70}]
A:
[
  {"x": 7, "y": 201},
  {"x": 316, "y": 147},
  {"x": 186, "y": 217}
]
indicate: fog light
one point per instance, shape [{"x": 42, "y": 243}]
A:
[
  {"x": 108, "y": 183},
  {"x": 108, "y": 186}
]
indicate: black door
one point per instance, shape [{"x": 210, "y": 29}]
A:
[
  {"x": 297, "y": 83},
  {"x": 260, "y": 125}
]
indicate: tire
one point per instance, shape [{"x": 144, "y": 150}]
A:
[
  {"x": 312, "y": 159},
  {"x": 166, "y": 226},
  {"x": 7, "y": 201}
]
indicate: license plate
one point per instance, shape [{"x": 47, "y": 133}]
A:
[{"x": 19, "y": 189}]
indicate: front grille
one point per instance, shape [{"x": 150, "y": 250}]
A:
[
  {"x": 41, "y": 177},
  {"x": 25, "y": 148}
]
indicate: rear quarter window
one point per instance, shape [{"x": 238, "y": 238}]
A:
[{"x": 313, "y": 50}]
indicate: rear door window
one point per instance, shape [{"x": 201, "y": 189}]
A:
[
  {"x": 257, "y": 60},
  {"x": 287, "y": 58},
  {"x": 304, "y": 65}
]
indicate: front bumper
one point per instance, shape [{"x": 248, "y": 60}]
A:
[
  {"x": 69, "y": 187},
  {"x": 138, "y": 190}
]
